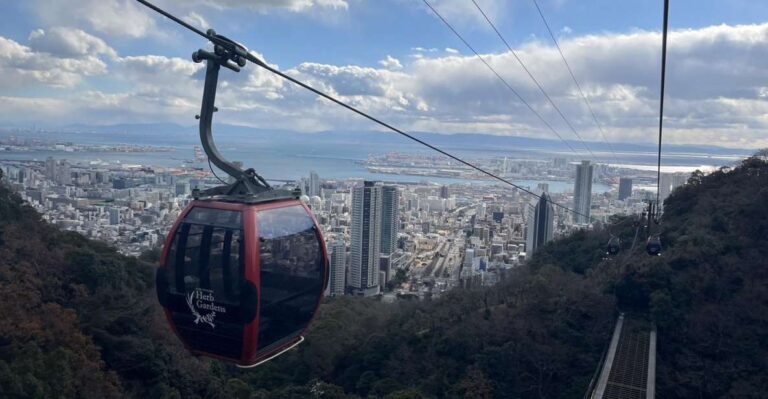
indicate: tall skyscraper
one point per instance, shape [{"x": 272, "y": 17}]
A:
[
  {"x": 390, "y": 219},
  {"x": 582, "y": 195},
  {"x": 680, "y": 179},
  {"x": 665, "y": 186},
  {"x": 481, "y": 210},
  {"x": 50, "y": 169},
  {"x": 540, "y": 223},
  {"x": 314, "y": 184},
  {"x": 114, "y": 216},
  {"x": 625, "y": 188},
  {"x": 385, "y": 269},
  {"x": 182, "y": 188},
  {"x": 366, "y": 230},
  {"x": 444, "y": 192},
  {"x": 338, "y": 272},
  {"x": 670, "y": 181},
  {"x": 65, "y": 173}
]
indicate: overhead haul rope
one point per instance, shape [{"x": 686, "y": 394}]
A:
[
  {"x": 530, "y": 75},
  {"x": 578, "y": 86},
  {"x": 661, "y": 101},
  {"x": 503, "y": 81},
  {"x": 250, "y": 57}
]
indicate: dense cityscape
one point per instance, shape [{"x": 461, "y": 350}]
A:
[{"x": 427, "y": 237}]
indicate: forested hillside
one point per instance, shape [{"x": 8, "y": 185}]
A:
[{"x": 80, "y": 320}]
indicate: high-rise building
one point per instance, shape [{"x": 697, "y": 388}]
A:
[
  {"x": 481, "y": 209},
  {"x": 444, "y": 192},
  {"x": 390, "y": 219},
  {"x": 540, "y": 223},
  {"x": 50, "y": 169},
  {"x": 625, "y": 188},
  {"x": 680, "y": 179},
  {"x": 670, "y": 181},
  {"x": 469, "y": 256},
  {"x": 64, "y": 173},
  {"x": 366, "y": 230},
  {"x": 114, "y": 216},
  {"x": 385, "y": 266},
  {"x": 182, "y": 188},
  {"x": 582, "y": 196},
  {"x": 543, "y": 187},
  {"x": 314, "y": 184},
  {"x": 338, "y": 272},
  {"x": 665, "y": 186}
]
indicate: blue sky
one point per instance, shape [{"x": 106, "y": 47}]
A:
[{"x": 113, "y": 61}]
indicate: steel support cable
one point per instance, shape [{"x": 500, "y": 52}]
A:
[
  {"x": 578, "y": 86},
  {"x": 404, "y": 134},
  {"x": 503, "y": 81},
  {"x": 252, "y": 58},
  {"x": 661, "y": 100},
  {"x": 535, "y": 81}
]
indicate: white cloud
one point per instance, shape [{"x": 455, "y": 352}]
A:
[
  {"x": 267, "y": 5},
  {"x": 464, "y": 11},
  {"x": 196, "y": 20},
  {"x": 128, "y": 18},
  {"x": 158, "y": 68},
  {"x": 112, "y": 17},
  {"x": 68, "y": 43},
  {"x": 716, "y": 89},
  {"x": 391, "y": 63},
  {"x": 451, "y": 50},
  {"x": 21, "y": 66}
]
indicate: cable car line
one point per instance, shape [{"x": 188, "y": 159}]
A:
[
  {"x": 404, "y": 134},
  {"x": 578, "y": 86},
  {"x": 242, "y": 52},
  {"x": 661, "y": 99},
  {"x": 653, "y": 245},
  {"x": 530, "y": 75},
  {"x": 503, "y": 81}
]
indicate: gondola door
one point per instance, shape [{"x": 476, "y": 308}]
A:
[{"x": 203, "y": 282}]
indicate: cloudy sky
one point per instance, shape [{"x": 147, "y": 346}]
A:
[{"x": 113, "y": 61}]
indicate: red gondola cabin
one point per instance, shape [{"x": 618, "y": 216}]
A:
[{"x": 241, "y": 281}]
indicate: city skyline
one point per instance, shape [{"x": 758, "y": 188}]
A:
[{"x": 442, "y": 236}]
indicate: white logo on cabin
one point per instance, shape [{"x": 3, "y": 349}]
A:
[{"x": 202, "y": 300}]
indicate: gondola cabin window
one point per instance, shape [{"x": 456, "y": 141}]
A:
[{"x": 291, "y": 274}]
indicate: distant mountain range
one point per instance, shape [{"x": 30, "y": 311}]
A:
[{"x": 466, "y": 141}]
